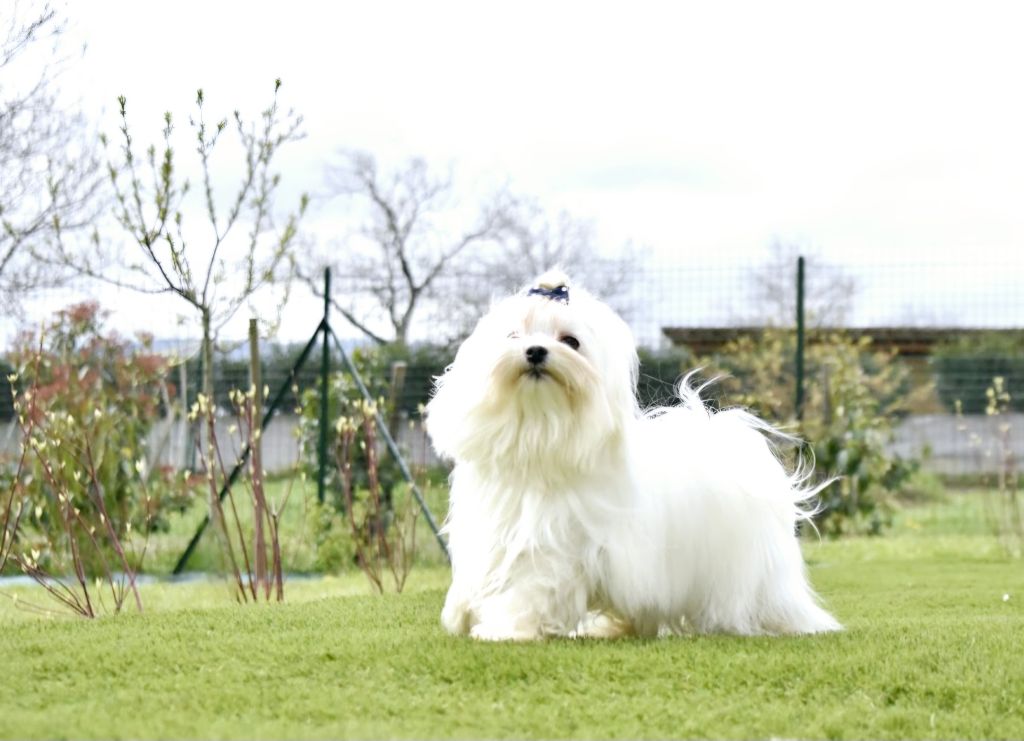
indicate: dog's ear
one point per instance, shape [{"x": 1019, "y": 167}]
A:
[
  {"x": 445, "y": 413},
  {"x": 621, "y": 390},
  {"x": 617, "y": 357}
]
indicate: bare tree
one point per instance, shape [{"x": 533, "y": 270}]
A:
[
  {"x": 411, "y": 237},
  {"x": 534, "y": 241},
  {"x": 214, "y": 269},
  {"x": 49, "y": 179},
  {"x": 419, "y": 255},
  {"x": 828, "y": 297}
]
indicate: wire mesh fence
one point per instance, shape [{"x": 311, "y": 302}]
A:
[{"x": 957, "y": 327}]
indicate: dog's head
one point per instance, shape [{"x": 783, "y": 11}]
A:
[{"x": 545, "y": 382}]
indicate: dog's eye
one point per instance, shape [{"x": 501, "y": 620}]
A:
[
  {"x": 570, "y": 341},
  {"x": 513, "y": 335}
]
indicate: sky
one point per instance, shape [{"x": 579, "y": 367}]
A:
[{"x": 869, "y": 133}]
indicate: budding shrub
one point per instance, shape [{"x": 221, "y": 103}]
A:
[{"x": 90, "y": 400}]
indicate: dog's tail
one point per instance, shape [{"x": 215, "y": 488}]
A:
[{"x": 790, "y": 450}]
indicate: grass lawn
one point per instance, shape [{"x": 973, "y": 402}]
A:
[{"x": 932, "y": 650}]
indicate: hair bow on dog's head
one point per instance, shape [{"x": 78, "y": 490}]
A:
[
  {"x": 558, "y": 293},
  {"x": 553, "y": 285}
]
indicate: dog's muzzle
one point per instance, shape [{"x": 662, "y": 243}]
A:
[{"x": 536, "y": 355}]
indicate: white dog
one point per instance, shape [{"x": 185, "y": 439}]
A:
[{"x": 574, "y": 513}]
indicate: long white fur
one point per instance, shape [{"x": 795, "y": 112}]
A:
[{"x": 572, "y": 512}]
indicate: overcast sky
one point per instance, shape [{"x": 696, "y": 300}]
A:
[{"x": 889, "y": 132}]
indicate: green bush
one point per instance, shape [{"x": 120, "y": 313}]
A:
[
  {"x": 335, "y": 550},
  {"x": 853, "y": 395}
]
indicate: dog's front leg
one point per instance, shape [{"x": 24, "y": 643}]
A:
[
  {"x": 529, "y": 612},
  {"x": 456, "y": 616},
  {"x": 507, "y": 616}
]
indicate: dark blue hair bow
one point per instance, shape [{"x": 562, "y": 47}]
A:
[{"x": 558, "y": 293}]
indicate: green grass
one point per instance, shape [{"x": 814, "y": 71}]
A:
[{"x": 931, "y": 650}]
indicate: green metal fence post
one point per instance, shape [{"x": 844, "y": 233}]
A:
[
  {"x": 799, "y": 405},
  {"x": 325, "y": 360}
]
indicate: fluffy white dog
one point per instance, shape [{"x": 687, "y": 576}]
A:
[{"x": 574, "y": 513}]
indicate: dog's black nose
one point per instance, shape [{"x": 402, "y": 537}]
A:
[{"x": 536, "y": 354}]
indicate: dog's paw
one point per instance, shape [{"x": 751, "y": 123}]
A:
[
  {"x": 602, "y": 625},
  {"x": 455, "y": 617}
]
